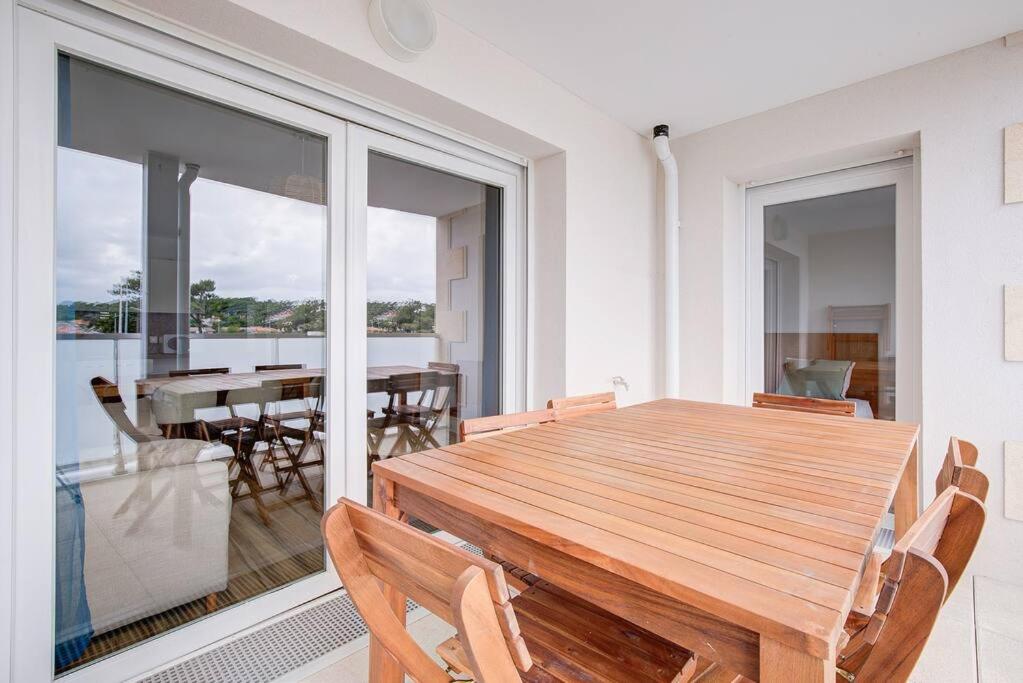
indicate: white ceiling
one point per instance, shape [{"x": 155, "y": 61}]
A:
[
  {"x": 698, "y": 63},
  {"x": 862, "y": 210}
]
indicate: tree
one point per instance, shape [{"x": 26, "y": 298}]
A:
[
  {"x": 128, "y": 294},
  {"x": 129, "y": 288},
  {"x": 202, "y": 299}
]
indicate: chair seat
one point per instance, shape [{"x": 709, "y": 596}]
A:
[{"x": 570, "y": 639}]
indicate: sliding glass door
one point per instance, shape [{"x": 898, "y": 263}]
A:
[
  {"x": 437, "y": 295},
  {"x": 229, "y": 305},
  {"x": 177, "y": 404}
]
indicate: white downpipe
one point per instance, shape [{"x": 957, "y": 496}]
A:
[{"x": 671, "y": 228}]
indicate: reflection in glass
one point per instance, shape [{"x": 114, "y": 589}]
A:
[
  {"x": 829, "y": 299},
  {"x": 433, "y": 308},
  {"x": 190, "y": 309}
]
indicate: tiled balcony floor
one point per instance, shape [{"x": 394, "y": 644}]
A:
[{"x": 977, "y": 638}]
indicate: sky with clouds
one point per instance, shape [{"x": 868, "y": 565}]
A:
[{"x": 250, "y": 243}]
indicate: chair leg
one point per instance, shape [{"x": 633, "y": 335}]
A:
[
  {"x": 256, "y": 490},
  {"x": 211, "y": 603}
]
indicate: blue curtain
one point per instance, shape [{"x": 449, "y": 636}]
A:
[
  {"x": 73, "y": 619},
  {"x": 73, "y": 625}
]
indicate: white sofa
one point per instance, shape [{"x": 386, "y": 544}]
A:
[{"x": 156, "y": 534}]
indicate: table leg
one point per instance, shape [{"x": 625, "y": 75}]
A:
[
  {"x": 781, "y": 664},
  {"x": 383, "y": 668},
  {"x": 453, "y": 403},
  {"x": 907, "y": 497}
]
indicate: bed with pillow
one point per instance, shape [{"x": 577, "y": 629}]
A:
[{"x": 821, "y": 378}]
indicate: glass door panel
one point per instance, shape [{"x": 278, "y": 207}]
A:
[
  {"x": 191, "y": 355},
  {"x": 433, "y": 305},
  {"x": 829, "y": 299}
]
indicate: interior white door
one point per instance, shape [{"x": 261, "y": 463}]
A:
[{"x": 898, "y": 174}]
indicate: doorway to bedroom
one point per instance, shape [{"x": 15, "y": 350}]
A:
[{"x": 830, "y": 259}]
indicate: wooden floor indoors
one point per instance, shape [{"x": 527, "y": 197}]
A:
[{"x": 260, "y": 559}]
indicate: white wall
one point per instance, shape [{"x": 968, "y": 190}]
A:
[
  {"x": 607, "y": 219},
  {"x": 7, "y": 50},
  {"x": 850, "y": 268},
  {"x": 971, "y": 243}
]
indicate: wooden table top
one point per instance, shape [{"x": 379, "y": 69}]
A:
[
  {"x": 763, "y": 518},
  {"x": 251, "y": 380}
]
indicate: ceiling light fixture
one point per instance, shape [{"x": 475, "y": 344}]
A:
[{"x": 404, "y": 28}]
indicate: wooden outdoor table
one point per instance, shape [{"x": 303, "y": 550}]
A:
[
  {"x": 192, "y": 393},
  {"x": 738, "y": 533}
]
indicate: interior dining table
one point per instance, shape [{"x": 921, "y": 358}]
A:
[
  {"x": 183, "y": 395},
  {"x": 738, "y": 533}
]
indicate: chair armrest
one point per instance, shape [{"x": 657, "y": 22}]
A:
[{"x": 870, "y": 583}]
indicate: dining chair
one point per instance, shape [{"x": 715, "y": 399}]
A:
[
  {"x": 402, "y": 416},
  {"x": 193, "y": 372},
  {"x": 431, "y": 408},
  {"x": 293, "y": 436},
  {"x": 804, "y": 404},
  {"x": 960, "y": 469},
  {"x": 484, "y": 427},
  {"x": 885, "y": 635},
  {"x": 109, "y": 396},
  {"x": 541, "y": 635},
  {"x": 424, "y": 416},
  {"x": 575, "y": 406},
  {"x": 926, "y": 564},
  {"x": 245, "y": 436}
]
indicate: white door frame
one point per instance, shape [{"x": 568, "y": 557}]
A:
[
  {"x": 897, "y": 172},
  {"x": 361, "y": 141},
  {"x": 39, "y": 39}
]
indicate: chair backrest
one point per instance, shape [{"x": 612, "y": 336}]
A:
[
  {"x": 443, "y": 367},
  {"x": 109, "y": 396},
  {"x": 959, "y": 469},
  {"x": 483, "y": 427},
  {"x": 804, "y": 404},
  {"x": 574, "y": 406},
  {"x": 284, "y": 366},
  {"x": 465, "y": 590},
  {"x": 924, "y": 567},
  {"x": 411, "y": 381},
  {"x": 190, "y": 372}
]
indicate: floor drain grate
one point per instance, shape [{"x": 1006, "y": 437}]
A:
[{"x": 272, "y": 652}]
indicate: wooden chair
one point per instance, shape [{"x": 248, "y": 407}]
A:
[
  {"x": 109, "y": 396},
  {"x": 574, "y": 406},
  {"x": 804, "y": 404},
  {"x": 883, "y": 638},
  {"x": 925, "y": 566},
  {"x": 558, "y": 638},
  {"x": 192, "y": 372},
  {"x": 423, "y": 416},
  {"x": 483, "y": 427},
  {"x": 292, "y": 436},
  {"x": 399, "y": 414},
  {"x": 959, "y": 469}
]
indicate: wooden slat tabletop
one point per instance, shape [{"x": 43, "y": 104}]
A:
[
  {"x": 376, "y": 379},
  {"x": 760, "y": 518},
  {"x": 196, "y": 384}
]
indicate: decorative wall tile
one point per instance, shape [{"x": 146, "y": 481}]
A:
[
  {"x": 1014, "y": 163},
  {"x": 1014, "y": 480},
  {"x": 1014, "y": 322}
]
